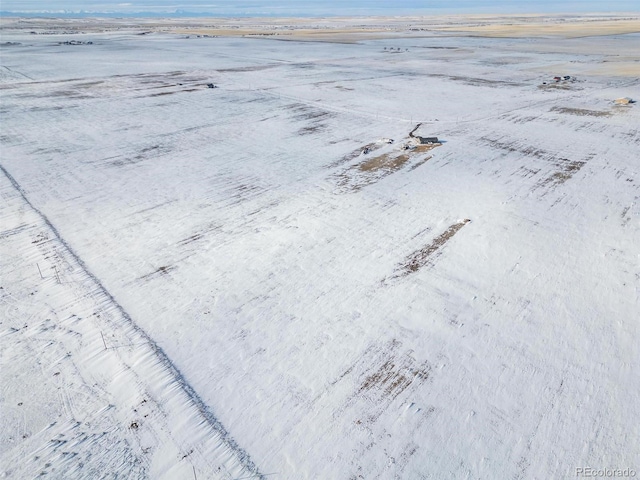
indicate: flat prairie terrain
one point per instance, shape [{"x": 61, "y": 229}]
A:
[{"x": 270, "y": 279}]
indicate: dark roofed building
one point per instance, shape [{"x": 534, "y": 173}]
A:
[{"x": 426, "y": 140}]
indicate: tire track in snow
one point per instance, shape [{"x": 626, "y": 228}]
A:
[{"x": 241, "y": 455}]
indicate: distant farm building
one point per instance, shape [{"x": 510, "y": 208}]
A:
[
  {"x": 425, "y": 140},
  {"x": 623, "y": 101},
  {"x": 418, "y": 140}
]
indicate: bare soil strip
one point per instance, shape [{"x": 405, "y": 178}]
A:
[
  {"x": 559, "y": 170},
  {"x": 421, "y": 257},
  {"x": 372, "y": 147},
  {"x": 372, "y": 169},
  {"x": 566, "y": 170},
  {"x": 581, "y": 112},
  {"x": 383, "y": 373}
]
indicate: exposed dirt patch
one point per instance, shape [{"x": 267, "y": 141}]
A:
[
  {"x": 230, "y": 190},
  {"x": 419, "y": 163},
  {"x": 252, "y": 68},
  {"x": 383, "y": 162},
  {"x": 202, "y": 234},
  {"x": 371, "y": 147},
  {"x": 314, "y": 117},
  {"x": 70, "y": 94},
  {"x": 517, "y": 118},
  {"x": 191, "y": 239},
  {"x": 421, "y": 257},
  {"x": 632, "y": 135},
  {"x": 164, "y": 270},
  {"x": 478, "y": 82},
  {"x": 581, "y": 111},
  {"x": 558, "y": 86},
  {"x": 527, "y": 150},
  {"x": 171, "y": 92},
  {"x": 89, "y": 84},
  {"x": 372, "y": 170},
  {"x": 244, "y": 191},
  {"x": 312, "y": 129},
  {"x": 425, "y": 148},
  {"x": 393, "y": 377},
  {"x": 160, "y": 94},
  {"x": 557, "y": 170},
  {"x": 303, "y": 112},
  {"x": 566, "y": 169},
  {"x": 145, "y": 153},
  {"x": 381, "y": 375}
]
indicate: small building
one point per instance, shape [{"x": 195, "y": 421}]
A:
[
  {"x": 426, "y": 140},
  {"x": 623, "y": 101}
]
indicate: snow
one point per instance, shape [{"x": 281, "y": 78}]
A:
[{"x": 246, "y": 265}]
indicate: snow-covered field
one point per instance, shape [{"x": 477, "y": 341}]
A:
[{"x": 217, "y": 283}]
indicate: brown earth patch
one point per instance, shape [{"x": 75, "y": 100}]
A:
[
  {"x": 383, "y": 373},
  {"x": 418, "y": 259},
  {"x": 581, "y": 112}
]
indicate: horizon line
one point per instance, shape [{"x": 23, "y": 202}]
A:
[{"x": 187, "y": 13}]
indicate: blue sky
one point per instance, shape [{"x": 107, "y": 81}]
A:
[{"x": 321, "y": 7}]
